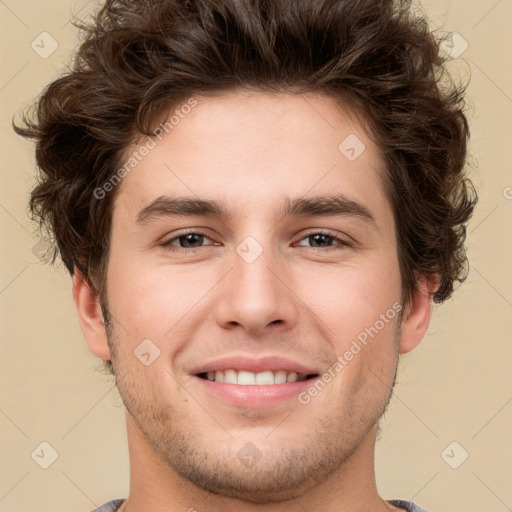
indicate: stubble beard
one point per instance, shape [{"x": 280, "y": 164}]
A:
[{"x": 281, "y": 473}]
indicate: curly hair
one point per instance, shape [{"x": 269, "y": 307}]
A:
[{"x": 140, "y": 58}]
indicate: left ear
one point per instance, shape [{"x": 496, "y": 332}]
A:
[{"x": 417, "y": 314}]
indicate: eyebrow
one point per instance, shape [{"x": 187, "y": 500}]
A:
[{"x": 324, "y": 205}]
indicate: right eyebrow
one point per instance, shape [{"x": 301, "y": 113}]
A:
[{"x": 165, "y": 205}]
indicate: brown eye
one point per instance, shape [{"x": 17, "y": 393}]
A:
[
  {"x": 191, "y": 240},
  {"x": 321, "y": 240}
]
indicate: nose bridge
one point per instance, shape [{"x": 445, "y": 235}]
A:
[
  {"x": 254, "y": 295},
  {"x": 252, "y": 269}
]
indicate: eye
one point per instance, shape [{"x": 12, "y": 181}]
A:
[
  {"x": 191, "y": 240},
  {"x": 195, "y": 240},
  {"x": 325, "y": 240}
]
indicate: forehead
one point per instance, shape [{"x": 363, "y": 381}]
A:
[{"x": 246, "y": 147}]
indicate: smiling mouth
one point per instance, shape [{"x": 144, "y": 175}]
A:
[{"x": 245, "y": 378}]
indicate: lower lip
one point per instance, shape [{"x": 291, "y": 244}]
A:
[{"x": 254, "y": 396}]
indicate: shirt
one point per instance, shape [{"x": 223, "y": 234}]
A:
[{"x": 114, "y": 505}]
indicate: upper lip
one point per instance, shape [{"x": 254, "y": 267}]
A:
[{"x": 256, "y": 365}]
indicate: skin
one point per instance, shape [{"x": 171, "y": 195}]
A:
[{"x": 298, "y": 299}]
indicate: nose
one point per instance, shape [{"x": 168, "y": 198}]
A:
[{"x": 257, "y": 296}]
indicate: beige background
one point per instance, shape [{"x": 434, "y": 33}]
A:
[{"x": 455, "y": 387}]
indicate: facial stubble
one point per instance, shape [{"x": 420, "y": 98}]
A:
[{"x": 281, "y": 472}]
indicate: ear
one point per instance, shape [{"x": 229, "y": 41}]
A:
[
  {"x": 90, "y": 316},
  {"x": 417, "y": 314}
]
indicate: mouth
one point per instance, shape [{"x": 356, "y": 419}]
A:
[
  {"x": 263, "y": 378},
  {"x": 260, "y": 382}
]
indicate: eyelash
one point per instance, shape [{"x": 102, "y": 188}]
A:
[{"x": 340, "y": 242}]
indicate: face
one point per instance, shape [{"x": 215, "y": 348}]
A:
[{"x": 282, "y": 282}]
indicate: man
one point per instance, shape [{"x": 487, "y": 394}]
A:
[{"x": 258, "y": 202}]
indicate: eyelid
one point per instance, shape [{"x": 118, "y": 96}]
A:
[
  {"x": 341, "y": 242},
  {"x": 319, "y": 231},
  {"x": 190, "y": 231}
]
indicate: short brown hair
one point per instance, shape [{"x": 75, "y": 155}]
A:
[{"x": 140, "y": 58}]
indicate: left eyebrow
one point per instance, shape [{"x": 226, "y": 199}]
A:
[
  {"x": 325, "y": 205},
  {"x": 338, "y": 204}
]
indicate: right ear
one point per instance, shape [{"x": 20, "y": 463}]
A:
[{"x": 90, "y": 316}]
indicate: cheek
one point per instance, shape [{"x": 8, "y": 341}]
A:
[
  {"x": 350, "y": 299},
  {"x": 360, "y": 306},
  {"x": 153, "y": 301}
]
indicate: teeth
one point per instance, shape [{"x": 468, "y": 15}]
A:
[
  {"x": 230, "y": 377},
  {"x": 265, "y": 378},
  {"x": 245, "y": 378},
  {"x": 292, "y": 377},
  {"x": 280, "y": 377}
]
